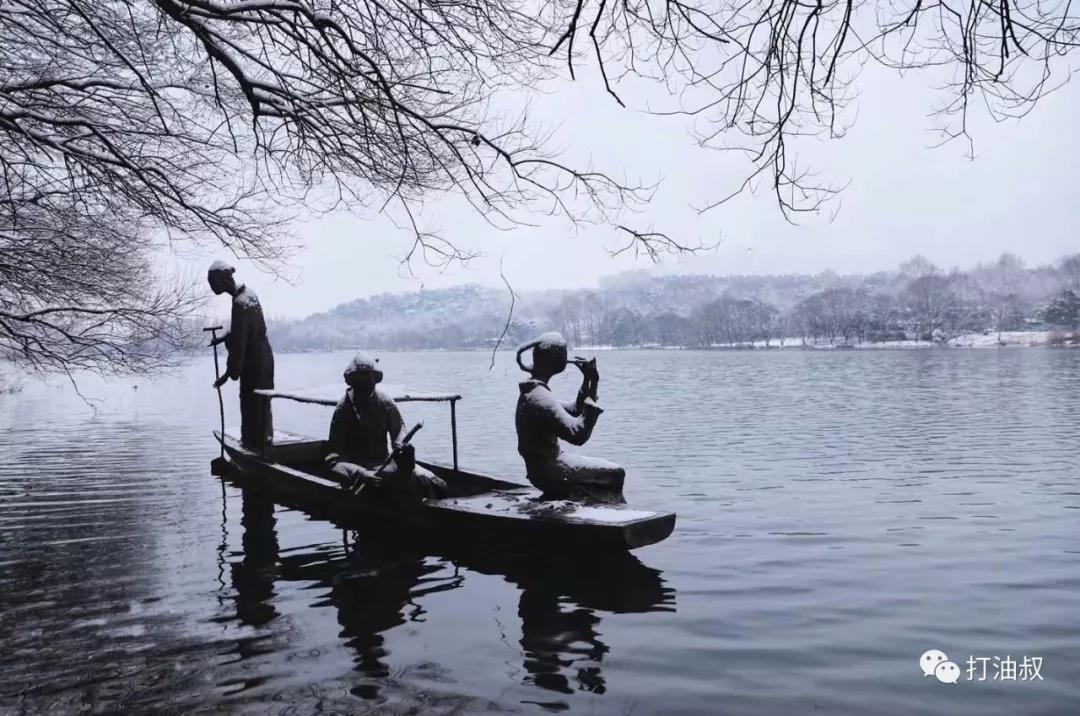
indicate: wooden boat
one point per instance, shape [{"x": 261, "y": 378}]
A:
[{"x": 478, "y": 507}]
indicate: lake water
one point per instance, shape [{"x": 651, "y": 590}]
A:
[{"x": 840, "y": 513}]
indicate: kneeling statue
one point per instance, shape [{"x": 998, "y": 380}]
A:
[
  {"x": 362, "y": 421},
  {"x": 542, "y": 421}
]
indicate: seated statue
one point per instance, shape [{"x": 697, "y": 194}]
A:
[
  {"x": 362, "y": 421},
  {"x": 542, "y": 421}
]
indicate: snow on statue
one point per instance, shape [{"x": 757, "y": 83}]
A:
[
  {"x": 251, "y": 361},
  {"x": 542, "y": 421}
]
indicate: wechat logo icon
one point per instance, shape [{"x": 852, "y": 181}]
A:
[{"x": 935, "y": 663}]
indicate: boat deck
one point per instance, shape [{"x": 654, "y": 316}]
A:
[{"x": 478, "y": 505}]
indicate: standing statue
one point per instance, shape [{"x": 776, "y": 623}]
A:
[
  {"x": 251, "y": 361},
  {"x": 542, "y": 421},
  {"x": 362, "y": 422}
]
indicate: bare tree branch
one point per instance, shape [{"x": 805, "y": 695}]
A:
[
  {"x": 655, "y": 244},
  {"x": 509, "y": 315},
  {"x": 760, "y": 75},
  {"x": 127, "y": 125}
]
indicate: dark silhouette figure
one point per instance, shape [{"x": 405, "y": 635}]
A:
[
  {"x": 251, "y": 361},
  {"x": 254, "y": 576},
  {"x": 542, "y": 421},
  {"x": 363, "y": 421}
]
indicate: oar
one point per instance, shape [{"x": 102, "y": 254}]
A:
[
  {"x": 355, "y": 488},
  {"x": 219, "y": 465}
]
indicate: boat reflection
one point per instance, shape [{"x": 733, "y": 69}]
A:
[
  {"x": 376, "y": 586},
  {"x": 254, "y": 575},
  {"x": 562, "y": 600}
]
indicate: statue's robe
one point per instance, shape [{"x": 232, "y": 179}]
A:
[
  {"x": 542, "y": 421},
  {"x": 251, "y": 361}
]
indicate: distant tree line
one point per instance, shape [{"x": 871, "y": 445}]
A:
[{"x": 919, "y": 302}]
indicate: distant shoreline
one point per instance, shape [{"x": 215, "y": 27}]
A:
[
  {"x": 1009, "y": 339},
  {"x": 979, "y": 341}
]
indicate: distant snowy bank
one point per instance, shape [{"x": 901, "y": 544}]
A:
[{"x": 1008, "y": 339}]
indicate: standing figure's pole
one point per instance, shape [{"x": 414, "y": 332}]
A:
[
  {"x": 219, "y": 465},
  {"x": 453, "y": 428}
]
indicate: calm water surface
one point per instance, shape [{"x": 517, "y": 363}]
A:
[{"x": 839, "y": 514}]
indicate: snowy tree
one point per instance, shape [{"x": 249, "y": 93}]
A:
[
  {"x": 592, "y": 313},
  {"x": 1070, "y": 271},
  {"x": 1003, "y": 286},
  {"x": 842, "y": 312},
  {"x": 918, "y": 266},
  {"x": 929, "y": 300},
  {"x": 884, "y": 318},
  {"x": 671, "y": 329},
  {"x": 568, "y": 319},
  {"x": 622, "y": 327},
  {"x": 1064, "y": 310}
]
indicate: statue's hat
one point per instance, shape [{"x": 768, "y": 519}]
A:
[{"x": 362, "y": 362}]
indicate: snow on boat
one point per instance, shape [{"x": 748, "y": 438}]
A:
[{"x": 479, "y": 507}]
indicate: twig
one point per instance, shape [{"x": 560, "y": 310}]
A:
[{"x": 509, "y": 315}]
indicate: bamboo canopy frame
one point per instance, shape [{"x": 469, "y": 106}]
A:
[{"x": 451, "y": 398}]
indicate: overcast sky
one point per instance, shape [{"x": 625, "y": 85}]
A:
[{"x": 903, "y": 197}]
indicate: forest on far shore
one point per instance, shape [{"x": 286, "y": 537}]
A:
[{"x": 917, "y": 302}]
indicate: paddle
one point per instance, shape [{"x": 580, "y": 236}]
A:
[
  {"x": 356, "y": 485},
  {"x": 219, "y": 465}
]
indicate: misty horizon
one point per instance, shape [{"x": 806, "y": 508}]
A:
[
  {"x": 901, "y": 197},
  {"x": 660, "y": 270}
]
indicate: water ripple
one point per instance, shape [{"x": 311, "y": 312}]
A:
[{"x": 838, "y": 515}]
